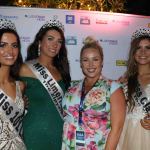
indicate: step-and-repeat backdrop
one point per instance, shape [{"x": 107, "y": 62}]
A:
[{"x": 112, "y": 30}]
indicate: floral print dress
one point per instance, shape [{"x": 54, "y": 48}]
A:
[{"x": 96, "y": 115}]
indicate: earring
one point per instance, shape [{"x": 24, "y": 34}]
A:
[
  {"x": 39, "y": 49},
  {"x": 135, "y": 63}
]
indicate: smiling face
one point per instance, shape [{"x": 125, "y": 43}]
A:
[
  {"x": 91, "y": 63},
  {"x": 142, "y": 54},
  {"x": 8, "y": 49},
  {"x": 51, "y": 44}
]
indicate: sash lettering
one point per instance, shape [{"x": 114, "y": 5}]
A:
[
  {"x": 48, "y": 82},
  {"x": 12, "y": 112},
  {"x": 141, "y": 99}
]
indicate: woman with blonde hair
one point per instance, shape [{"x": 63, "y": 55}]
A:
[{"x": 94, "y": 106}]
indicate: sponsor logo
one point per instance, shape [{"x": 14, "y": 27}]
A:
[
  {"x": 85, "y": 20},
  {"x": 109, "y": 41},
  {"x": 121, "y": 63},
  {"x": 8, "y": 17},
  {"x": 122, "y": 22},
  {"x": 101, "y": 21},
  {"x": 77, "y": 60},
  {"x": 37, "y": 17},
  {"x": 71, "y": 40},
  {"x": 70, "y": 19},
  {"x": 25, "y": 39}
]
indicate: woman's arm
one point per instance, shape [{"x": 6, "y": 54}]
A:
[
  {"x": 23, "y": 86},
  {"x": 118, "y": 111}
]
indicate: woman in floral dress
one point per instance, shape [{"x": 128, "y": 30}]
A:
[{"x": 94, "y": 107}]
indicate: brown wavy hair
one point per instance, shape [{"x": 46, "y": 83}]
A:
[{"x": 132, "y": 70}]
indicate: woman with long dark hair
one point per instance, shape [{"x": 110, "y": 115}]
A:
[
  {"x": 12, "y": 108},
  {"x": 46, "y": 73}
]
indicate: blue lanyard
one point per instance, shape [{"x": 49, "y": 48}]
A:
[{"x": 81, "y": 109}]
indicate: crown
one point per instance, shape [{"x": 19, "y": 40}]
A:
[
  {"x": 140, "y": 33},
  {"x": 53, "y": 23},
  {"x": 7, "y": 24}
]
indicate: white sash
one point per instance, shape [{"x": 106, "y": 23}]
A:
[
  {"x": 140, "y": 97},
  {"x": 11, "y": 111},
  {"x": 50, "y": 84}
]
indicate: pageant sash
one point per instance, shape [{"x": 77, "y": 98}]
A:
[
  {"x": 141, "y": 99},
  {"x": 12, "y": 112},
  {"x": 49, "y": 83}
]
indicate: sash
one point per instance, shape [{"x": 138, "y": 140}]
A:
[
  {"x": 50, "y": 84},
  {"x": 141, "y": 99},
  {"x": 12, "y": 112}
]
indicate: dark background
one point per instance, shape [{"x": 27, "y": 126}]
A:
[{"x": 138, "y": 7}]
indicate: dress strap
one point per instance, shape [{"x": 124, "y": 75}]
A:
[{"x": 18, "y": 89}]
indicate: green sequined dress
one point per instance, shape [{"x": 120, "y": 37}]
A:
[{"x": 42, "y": 124}]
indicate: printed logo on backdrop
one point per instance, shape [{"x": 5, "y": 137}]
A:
[
  {"x": 121, "y": 63},
  {"x": 148, "y": 25},
  {"x": 100, "y": 21},
  {"x": 85, "y": 20},
  {"x": 25, "y": 39},
  {"x": 70, "y": 19},
  {"x": 121, "y": 22},
  {"x": 77, "y": 60},
  {"x": 37, "y": 17},
  {"x": 71, "y": 40},
  {"x": 8, "y": 17},
  {"x": 109, "y": 41}
]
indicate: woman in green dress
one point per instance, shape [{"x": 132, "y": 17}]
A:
[{"x": 47, "y": 76}]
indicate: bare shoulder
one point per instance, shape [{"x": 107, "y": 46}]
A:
[
  {"x": 25, "y": 71},
  {"x": 118, "y": 94}
]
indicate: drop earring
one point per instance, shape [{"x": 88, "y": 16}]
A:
[
  {"x": 58, "y": 56},
  {"x": 39, "y": 49}
]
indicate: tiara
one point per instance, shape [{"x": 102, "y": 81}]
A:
[
  {"x": 53, "y": 23},
  {"x": 7, "y": 24},
  {"x": 140, "y": 33}
]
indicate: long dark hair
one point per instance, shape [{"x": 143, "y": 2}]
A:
[
  {"x": 132, "y": 70},
  {"x": 60, "y": 61},
  {"x": 14, "y": 69}
]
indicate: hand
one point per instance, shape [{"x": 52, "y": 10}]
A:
[
  {"x": 122, "y": 79},
  {"x": 145, "y": 122}
]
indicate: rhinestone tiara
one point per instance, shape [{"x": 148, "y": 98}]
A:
[
  {"x": 7, "y": 24},
  {"x": 53, "y": 23},
  {"x": 140, "y": 33}
]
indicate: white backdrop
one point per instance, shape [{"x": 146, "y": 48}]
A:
[{"x": 112, "y": 30}]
